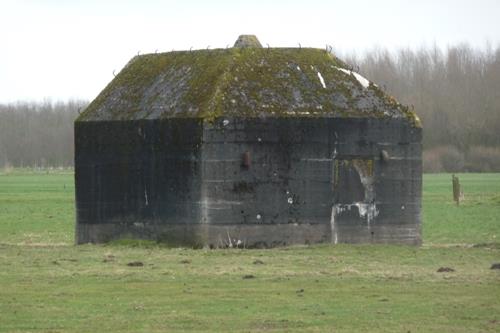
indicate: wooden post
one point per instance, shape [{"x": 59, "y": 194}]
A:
[{"x": 456, "y": 189}]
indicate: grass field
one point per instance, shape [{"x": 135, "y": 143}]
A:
[{"x": 49, "y": 285}]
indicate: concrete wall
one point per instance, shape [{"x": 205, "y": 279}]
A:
[
  {"x": 335, "y": 180},
  {"x": 249, "y": 182},
  {"x": 133, "y": 177}
]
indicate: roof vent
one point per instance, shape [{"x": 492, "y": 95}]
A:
[{"x": 247, "y": 41}]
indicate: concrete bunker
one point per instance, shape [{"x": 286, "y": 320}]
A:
[{"x": 247, "y": 147}]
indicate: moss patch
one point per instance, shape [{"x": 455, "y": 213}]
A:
[{"x": 240, "y": 82}]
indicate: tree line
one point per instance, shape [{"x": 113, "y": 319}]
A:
[
  {"x": 455, "y": 92},
  {"x": 38, "y": 134}
]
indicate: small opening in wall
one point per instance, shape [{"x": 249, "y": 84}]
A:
[{"x": 246, "y": 160}]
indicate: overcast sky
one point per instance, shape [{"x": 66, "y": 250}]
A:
[{"x": 64, "y": 50}]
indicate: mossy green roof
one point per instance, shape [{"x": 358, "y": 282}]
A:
[{"x": 240, "y": 82}]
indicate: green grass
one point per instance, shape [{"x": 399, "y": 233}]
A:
[
  {"x": 49, "y": 285},
  {"x": 476, "y": 220},
  {"x": 37, "y": 207}
]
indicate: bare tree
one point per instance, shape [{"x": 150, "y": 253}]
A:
[{"x": 38, "y": 134}]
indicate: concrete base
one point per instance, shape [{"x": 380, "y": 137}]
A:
[
  {"x": 408, "y": 234},
  {"x": 248, "y": 236}
]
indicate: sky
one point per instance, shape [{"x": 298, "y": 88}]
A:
[{"x": 60, "y": 50}]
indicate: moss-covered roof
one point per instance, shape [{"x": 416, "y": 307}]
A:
[{"x": 241, "y": 82}]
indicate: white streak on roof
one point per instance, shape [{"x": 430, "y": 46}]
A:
[
  {"x": 298, "y": 68},
  {"x": 348, "y": 72},
  {"x": 362, "y": 80},
  {"x": 321, "y": 80}
]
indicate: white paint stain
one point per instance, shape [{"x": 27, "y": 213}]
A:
[
  {"x": 361, "y": 79},
  {"x": 366, "y": 211},
  {"x": 290, "y": 200},
  {"x": 225, "y": 122},
  {"x": 333, "y": 227},
  {"x": 146, "y": 197},
  {"x": 321, "y": 80},
  {"x": 204, "y": 202}
]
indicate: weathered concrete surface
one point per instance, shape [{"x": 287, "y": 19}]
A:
[
  {"x": 136, "y": 173},
  {"x": 255, "y": 182},
  {"x": 247, "y": 41},
  {"x": 204, "y": 235},
  {"x": 246, "y": 82}
]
